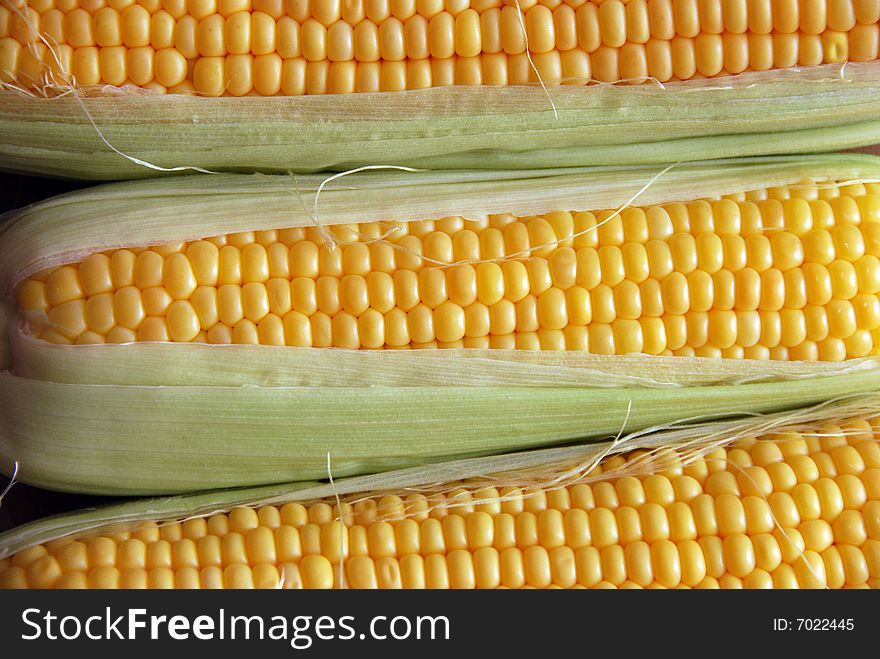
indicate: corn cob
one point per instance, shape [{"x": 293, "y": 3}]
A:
[
  {"x": 270, "y": 47},
  {"x": 797, "y": 506},
  {"x": 299, "y": 403},
  {"x": 785, "y": 273}
]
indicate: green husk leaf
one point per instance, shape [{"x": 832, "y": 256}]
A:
[
  {"x": 555, "y": 466},
  {"x": 147, "y": 440},
  {"x": 760, "y": 113}
]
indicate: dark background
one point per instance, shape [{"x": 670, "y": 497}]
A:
[{"x": 17, "y": 190}]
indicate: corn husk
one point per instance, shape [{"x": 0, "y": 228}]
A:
[
  {"x": 115, "y": 133},
  {"x": 166, "y": 418},
  {"x": 114, "y": 439},
  {"x": 547, "y": 468}
]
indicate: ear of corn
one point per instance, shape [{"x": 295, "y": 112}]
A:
[
  {"x": 784, "y": 501},
  {"x": 298, "y": 404}
]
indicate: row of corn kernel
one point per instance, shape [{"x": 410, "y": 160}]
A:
[
  {"x": 612, "y": 23},
  {"x": 398, "y": 329},
  {"x": 466, "y": 34},
  {"x": 704, "y": 517},
  {"x": 444, "y": 36},
  {"x": 676, "y": 276},
  {"x": 485, "y": 569},
  {"x": 166, "y": 70},
  {"x": 279, "y": 314}
]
